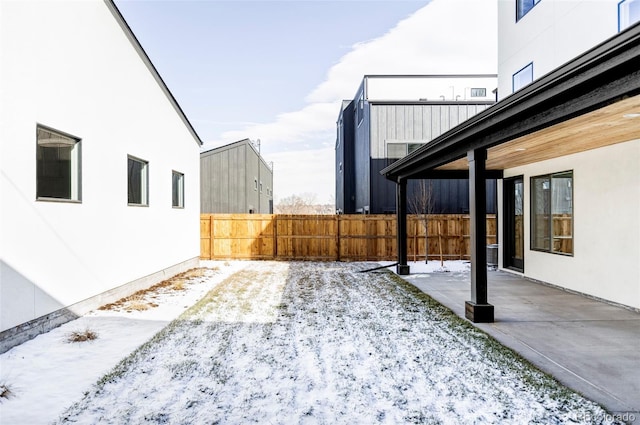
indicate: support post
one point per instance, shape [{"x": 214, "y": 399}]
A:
[
  {"x": 401, "y": 211},
  {"x": 478, "y": 310}
]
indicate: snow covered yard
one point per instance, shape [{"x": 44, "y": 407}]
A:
[{"x": 322, "y": 343}]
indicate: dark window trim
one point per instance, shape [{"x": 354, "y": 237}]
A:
[
  {"x": 134, "y": 158},
  {"x": 181, "y": 206},
  {"x": 620, "y": 3},
  {"x": 521, "y": 14},
  {"x": 79, "y": 170},
  {"x": 513, "y": 77},
  {"x": 532, "y": 215}
]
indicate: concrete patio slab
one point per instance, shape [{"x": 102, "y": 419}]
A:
[{"x": 589, "y": 345}]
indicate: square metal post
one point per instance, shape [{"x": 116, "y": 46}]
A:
[
  {"x": 401, "y": 212},
  {"x": 478, "y": 310}
]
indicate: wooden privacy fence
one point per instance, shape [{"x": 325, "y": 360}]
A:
[{"x": 333, "y": 237}]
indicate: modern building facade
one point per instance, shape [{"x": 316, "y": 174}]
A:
[
  {"x": 537, "y": 36},
  {"x": 566, "y": 148},
  {"x": 99, "y": 167},
  {"x": 235, "y": 179},
  {"x": 390, "y": 117}
]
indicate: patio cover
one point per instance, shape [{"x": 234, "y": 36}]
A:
[{"x": 590, "y": 102}]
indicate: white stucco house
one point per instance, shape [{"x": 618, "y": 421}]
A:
[
  {"x": 564, "y": 142},
  {"x": 99, "y": 166}
]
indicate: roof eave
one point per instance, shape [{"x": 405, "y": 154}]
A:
[
  {"x": 603, "y": 60},
  {"x": 147, "y": 61}
]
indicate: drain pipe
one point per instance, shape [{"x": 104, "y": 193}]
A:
[{"x": 378, "y": 268}]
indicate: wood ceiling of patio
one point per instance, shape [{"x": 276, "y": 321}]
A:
[{"x": 615, "y": 123}]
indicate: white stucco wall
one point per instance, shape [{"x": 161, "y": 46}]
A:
[
  {"x": 432, "y": 88},
  {"x": 69, "y": 66},
  {"x": 552, "y": 33},
  {"x": 606, "y": 259}
]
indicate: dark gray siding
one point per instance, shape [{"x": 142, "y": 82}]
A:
[
  {"x": 450, "y": 196},
  {"x": 228, "y": 177},
  {"x": 362, "y": 153},
  {"x": 345, "y": 182}
]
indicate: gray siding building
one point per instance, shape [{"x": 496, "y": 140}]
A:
[
  {"x": 391, "y": 117},
  {"x": 235, "y": 179}
]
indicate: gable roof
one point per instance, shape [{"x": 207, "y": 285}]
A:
[{"x": 152, "y": 69}]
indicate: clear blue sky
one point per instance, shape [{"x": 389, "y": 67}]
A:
[{"x": 277, "y": 70}]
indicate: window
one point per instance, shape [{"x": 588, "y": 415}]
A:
[
  {"x": 57, "y": 165},
  {"x": 255, "y": 184},
  {"x": 552, "y": 213},
  {"x": 400, "y": 150},
  {"x": 628, "y": 13},
  {"x": 260, "y": 187},
  {"x": 523, "y": 7},
  {"x": 177, "y": 189},
  {"x": 478, "y": 92},
  {"x": 412, "y": 147},
  {"x": 138, "y": 181},
  {"x": 396, "y": 150},
  {"x": 523, "y": 77}
]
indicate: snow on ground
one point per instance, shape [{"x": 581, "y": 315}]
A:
[
  {"x": 47, "y": 374},
  {"x": 420, "y": 268},
  {"x": 280, "y": 343}
]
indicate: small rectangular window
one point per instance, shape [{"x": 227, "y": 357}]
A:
[
  {"x": 628, "y": 13},
  {"x": 552, "y": 213},
  {"x": 523, "y": 7},
  {"x": 260, "y": 187},
  {"x": 58, "y": 165},
  {"x": 255, "y": 184},
  {"x": 396, "y": 150},
  {"x": 478, "y": 92},
  {"x": 177, "y": 189},
  {"x": 523, "y": 77},
  {"x": 412, "y": 147},
  {"x": 138, "y": 182}
]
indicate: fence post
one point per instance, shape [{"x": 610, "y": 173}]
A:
[
  {"x": 211, "y": 244},
  {"x": 338, "y": 237},
  {"x": 275, "y": 236}
]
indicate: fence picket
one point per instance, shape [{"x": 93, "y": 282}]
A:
[{"x": 332, "y": 237}]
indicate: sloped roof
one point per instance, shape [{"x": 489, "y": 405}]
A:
[{"x": 147, "y": 61}]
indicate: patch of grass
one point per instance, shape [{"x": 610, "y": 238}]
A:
[
  {"x": 5, "y": 392},
  {"x": 137, "y": 301},
  {"x": 491, "y": 348},
  {"x": 178, "y": 285},
  {"x": 81, "y": 336},
  {"x": 138, "y": 305}
]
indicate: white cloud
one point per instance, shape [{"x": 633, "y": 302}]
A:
[
  {"x": 305, "y": 171},
  {"x": 444, "y": 37}
]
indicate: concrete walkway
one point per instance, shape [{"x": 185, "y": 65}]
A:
[{"x": 588, "y": 345}]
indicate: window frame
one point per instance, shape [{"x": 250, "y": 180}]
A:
[
  {"x": 522, "y": 9},
  {"x": 180, "y": 193},
  {"x": 624, "y": 21},
  {"x": 478, "y": 92},
  {"x": 521, "y": 70},
  {"x": 144, "y": 182},
  {"x": 74, "y": 170},
  {"x": 551, "y": 237}
]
